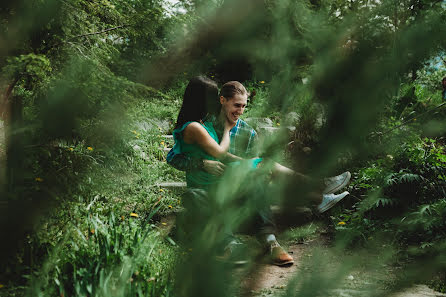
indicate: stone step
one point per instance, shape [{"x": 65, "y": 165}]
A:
[
  {"x": 272, "y": 130},
  {"x": 172, "y": 185}
]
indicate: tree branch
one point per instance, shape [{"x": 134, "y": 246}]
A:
[{"x": 99, "y": 32}]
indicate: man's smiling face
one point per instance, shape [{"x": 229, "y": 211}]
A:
[{"x": 233, "y": 107}]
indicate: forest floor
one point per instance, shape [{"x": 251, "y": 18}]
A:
[{"x": 264, "y": 279}]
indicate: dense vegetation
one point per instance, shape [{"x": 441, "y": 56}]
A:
[{"x": 89, "y": 88}]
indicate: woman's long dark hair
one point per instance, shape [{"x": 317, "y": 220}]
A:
[{"x": 200, "y": 99}]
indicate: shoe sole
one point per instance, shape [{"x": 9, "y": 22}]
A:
[
  {"x": 281, "y": 264},
  {"x": 340, "y": 186},
  {"x": 332, "y": 203}
]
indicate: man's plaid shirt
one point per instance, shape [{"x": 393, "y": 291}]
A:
[{"x": 242, "y": 142}]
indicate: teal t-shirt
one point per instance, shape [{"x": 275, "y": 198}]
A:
[{"x": 196, "y": 178}]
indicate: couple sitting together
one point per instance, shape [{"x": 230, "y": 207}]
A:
[{"x": 211, "y": 141}]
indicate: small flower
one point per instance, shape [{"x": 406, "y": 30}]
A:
[
  {"x": 122, "y": 218},
  {"x": 135, "y": 215},
  {"x": 161, "y": 190},
  {"x": 278, "y": 124},
  {"x": 262, "y": 81},
  {"x": 170, "y": 206},
  {"x": 164, "y": 224},
  {"x": 89, "y": 148},
  {"x": 71, "y": 149},
  {"x": 341, "y": 223},
  {"x": 162, "y": 143},
  {"x": 92, "y": 231},
  {"x": 390, "y": 157},
  {"x": 134, "y": 132},
  {"x": 39, "y": 179},
  {"x": 414, "y": 119}
]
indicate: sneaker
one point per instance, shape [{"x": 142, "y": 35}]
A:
[
  {"x": 329, "y": 200},
  {"x": 234, "y": 253},
  {"x": 279, "y": 256},
  {"x": 335, "y": 183}
]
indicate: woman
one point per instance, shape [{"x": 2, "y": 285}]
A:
[{"x": 195, "y": 134}]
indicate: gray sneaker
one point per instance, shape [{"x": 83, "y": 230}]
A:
[
  {"x": 335, "y": 183},
  {"x": 235, "y": 253},
  {"x": 329, "y": 200}
]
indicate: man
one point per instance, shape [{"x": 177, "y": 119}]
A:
[{"x": 233, "y": 100}]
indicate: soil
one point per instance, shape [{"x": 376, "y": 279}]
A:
[{"x": 315, "y": 258}]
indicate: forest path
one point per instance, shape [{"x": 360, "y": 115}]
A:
[{"x": 265, "y": 280}]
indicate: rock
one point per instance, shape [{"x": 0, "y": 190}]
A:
[
  {"x": 172, "y": 185},
  {"x": 258, "y": 123},
  {"x": 350, "y": 277},
  {"x": 156, "y": 124},
  {"x": 162, "y": 125},
  {"x": 144, "y": 126},
  {"x": 292, "y": 118}
]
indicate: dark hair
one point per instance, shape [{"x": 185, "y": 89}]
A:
[
  {"x": 232, "y": 88},
  {"x": 200, "y": 98}
]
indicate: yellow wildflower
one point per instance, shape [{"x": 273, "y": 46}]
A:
[
  {"x": 170, "y": 206},
  {"x": 341, "y": 223},
  {"x": 71, "y": 149},
  {"x": 135, "y": 215},
  {"x": 162, "y": 143},
  {"x": 92, "y": 231},
  {"x": 262, "y": 81},
  {"x": 89, "y": 148},
  {"x": 163, "y": 224},
  {"x": 278, "y": 124},
  {"x": 161, "y": 190},
  {"x": 39, "y": 179}
]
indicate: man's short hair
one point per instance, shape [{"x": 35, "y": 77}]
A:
[{"x": 232, "y": 88}]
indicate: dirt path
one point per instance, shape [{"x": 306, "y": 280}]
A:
[{"x": 265, "y": 280}]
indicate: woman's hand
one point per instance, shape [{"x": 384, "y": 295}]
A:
[{"x": 228, "y": 125}]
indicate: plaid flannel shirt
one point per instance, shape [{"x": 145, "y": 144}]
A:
[{"x": 242, "y": 142}]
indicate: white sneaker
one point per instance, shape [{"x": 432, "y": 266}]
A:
[
  {"x": 335, "y": 183},
  {"x": 329, "y": 200}
]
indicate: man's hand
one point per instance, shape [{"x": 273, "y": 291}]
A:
[{"x": 214, "y": 167}]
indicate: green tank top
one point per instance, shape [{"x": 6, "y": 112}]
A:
[{"x": 196, "y": 178}]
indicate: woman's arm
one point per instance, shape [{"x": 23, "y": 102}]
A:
[{"x": 195, "y": 133}]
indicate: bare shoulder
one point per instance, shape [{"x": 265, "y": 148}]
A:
[
  {"x": 193, "y": 131},
  {"x": 194, "y": 127}
]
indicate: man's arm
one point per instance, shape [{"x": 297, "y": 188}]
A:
[{"x": 183, "y": 162}]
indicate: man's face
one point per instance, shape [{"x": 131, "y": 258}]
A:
[{"x": 234, "y": 107}]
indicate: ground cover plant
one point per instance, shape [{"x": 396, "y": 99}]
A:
[{"x": 90, "y": 88}]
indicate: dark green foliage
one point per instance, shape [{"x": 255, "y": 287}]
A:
[{"x": 84, "y": 127}]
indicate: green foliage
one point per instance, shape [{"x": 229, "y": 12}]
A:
[{"x": 90, "y": 149}]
